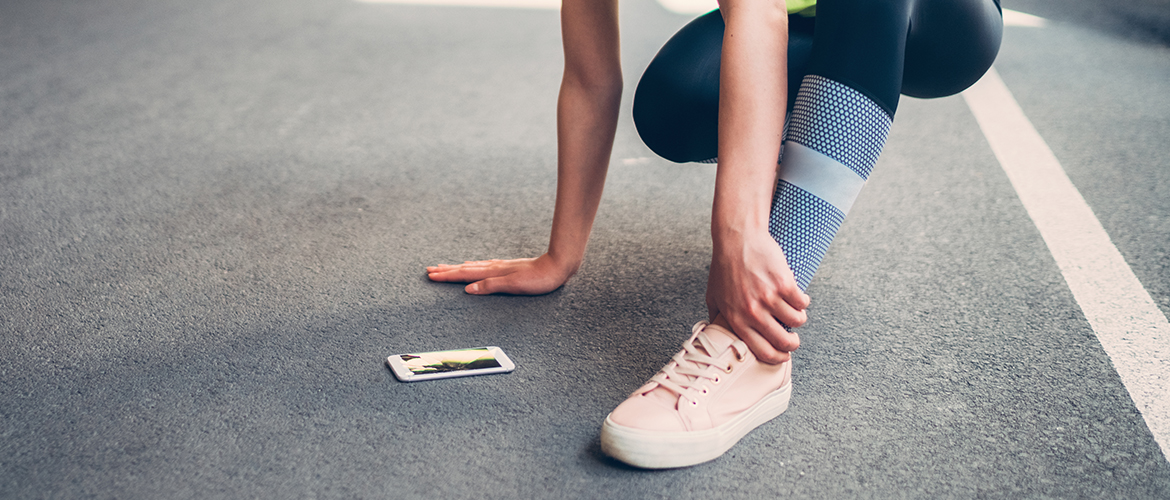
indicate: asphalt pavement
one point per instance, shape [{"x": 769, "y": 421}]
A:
[{"x": 214, "y": 218}]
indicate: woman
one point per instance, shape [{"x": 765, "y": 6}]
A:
[{"x": 721, "y": 88}]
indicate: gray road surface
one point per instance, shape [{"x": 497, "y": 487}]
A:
[{"x": 214, "y": 218}]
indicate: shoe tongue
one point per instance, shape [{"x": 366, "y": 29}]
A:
[{"x": 720, "y": 339}]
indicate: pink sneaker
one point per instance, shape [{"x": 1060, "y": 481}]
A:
[{"x": 699, "y": 405}]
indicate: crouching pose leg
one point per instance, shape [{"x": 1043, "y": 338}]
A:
[{"x": 837, "y": 91}]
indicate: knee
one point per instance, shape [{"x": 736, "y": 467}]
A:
[
  {"x": 676, "y": 103},
  {"x": 951, "y": 45},
  {"x": 677, "y": 117}
]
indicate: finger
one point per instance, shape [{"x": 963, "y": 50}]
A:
[
  {"x": 781, "y": 338},
  {"x": 777, "y": 336},
  {"x": 760, "y": 347},
  {"x": 786, "y": 315},
  {"x": 465, "y": 275},
  {"x": 445, "y": 268},
  {"x": 792, "y": 294},
  {"x": 477, "y": 270},
  {"x": 447, "y": 277},
  {"x": 502, "y": 284},
  {"x": 480, "y": 263},
  {"x": 466, "y": 265}
]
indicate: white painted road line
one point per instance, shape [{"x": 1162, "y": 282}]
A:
[
  {"x": 1017, "y": 18},
  {"x": 1131, "y": 328},
  {"x": 689, "y": 7},
  {"x": 509, "y": 4}
]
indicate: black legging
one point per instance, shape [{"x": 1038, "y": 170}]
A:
[{"x": 882, "y": 48}]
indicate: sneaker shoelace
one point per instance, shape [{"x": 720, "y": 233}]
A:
[{"x": 697, "y": 362}]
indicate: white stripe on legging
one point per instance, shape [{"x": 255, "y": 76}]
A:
[{"x": 821, "y": 176}]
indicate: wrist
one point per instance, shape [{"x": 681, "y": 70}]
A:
[
  {"x": 741, "y": 209},
  {"x": 565, "y": 265},
  {"x": 737, "y": 226}
]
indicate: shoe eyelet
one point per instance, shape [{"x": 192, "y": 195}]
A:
[
  {"x": 715, "y": 380},
  {"x": 704, "y": 391},
  {"x": 694, "y": 402},
  {"x": 728, "y": 369}
]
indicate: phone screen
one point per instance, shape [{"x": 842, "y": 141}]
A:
[{"x": 450, "y": 361}]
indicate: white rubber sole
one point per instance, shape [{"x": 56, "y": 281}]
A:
[{"x": 665, "y": 450}]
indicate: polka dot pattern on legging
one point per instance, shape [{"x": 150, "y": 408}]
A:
[
  {"x": 844, "y": 125},
  {"x": 803, "y": 225},
  {"x": 839, "y": 122}
]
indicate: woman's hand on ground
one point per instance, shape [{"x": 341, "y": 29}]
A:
[
  {"x": 752, "y": 288},
  {"x": 516, "y": 276}
]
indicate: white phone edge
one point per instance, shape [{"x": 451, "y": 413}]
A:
[{"x": 403, "y": 374}]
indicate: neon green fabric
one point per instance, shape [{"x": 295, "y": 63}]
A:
[{"x": 804, "y": 8}]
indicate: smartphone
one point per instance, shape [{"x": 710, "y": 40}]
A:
[{"x": 447, "y": 364}]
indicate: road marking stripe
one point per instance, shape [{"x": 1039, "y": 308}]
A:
[
  {"x": 1128, "y": 323},
  {"x": 510, "y": 4},
  {"x": 1010, "y": 17},
  {"x": 689, "y": 6},
  {"x": 1017, "y": 18}
]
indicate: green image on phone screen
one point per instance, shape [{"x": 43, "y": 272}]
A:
[{"x": 450, "y": 361}]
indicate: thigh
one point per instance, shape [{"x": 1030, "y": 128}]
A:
[
  {"x": 676, "y": 103},
  {"x": 921, "y": 48}
]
